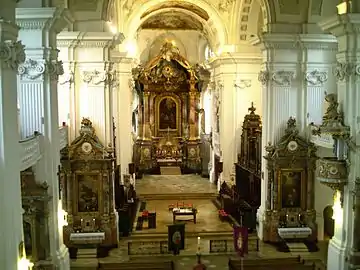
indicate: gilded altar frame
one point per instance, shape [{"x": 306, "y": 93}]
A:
[{"x": 302, "y": 198}]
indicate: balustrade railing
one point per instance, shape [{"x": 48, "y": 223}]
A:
[{"x": 30, "y": 148}]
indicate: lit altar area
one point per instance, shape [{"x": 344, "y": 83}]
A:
[{"x": 167, "y": 120}]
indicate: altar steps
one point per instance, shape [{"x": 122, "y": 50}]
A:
[{"x": 177, "y": 196}]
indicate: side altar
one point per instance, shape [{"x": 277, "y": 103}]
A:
[
  {"x": 87, "y": 188},
  {"x": 290, "y": 209},
  {"x": 168, "y": 112}
]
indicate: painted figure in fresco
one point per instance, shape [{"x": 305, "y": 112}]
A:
[
  {"x": 167, "y": 114},
  {"x": 291, "y": 189}
]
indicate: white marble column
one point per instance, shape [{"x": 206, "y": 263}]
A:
[
  {"x": 122, "y": 100},
  {"x": 344, "y": 247},
  {"x": 11, "y": 54},
  {"x": 38, "y": 99}
]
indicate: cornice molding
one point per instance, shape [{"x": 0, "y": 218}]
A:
[
  {"x": 12, "y": 53},
  {"x": 33, "y": 69},
  {"x": 48, "y": 19},
  {"x": 235, "y": 59},
  {"x": 323, "y": 42},
  {"x": 340, "y": 25},
  {"x": 89, "y": 39}
]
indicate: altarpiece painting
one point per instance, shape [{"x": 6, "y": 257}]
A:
[{"x": 167, "y": 114}]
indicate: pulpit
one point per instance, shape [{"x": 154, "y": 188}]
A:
[
  {"x": 87, "y": 187},
  {"x": 168, "y": 112}
]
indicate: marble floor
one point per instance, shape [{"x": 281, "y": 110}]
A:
[
  {"x": 207, "y": 219},
  {"x": 174, "y": 184}
]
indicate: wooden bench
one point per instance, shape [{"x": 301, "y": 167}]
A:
[
  {"x": 150, "y": 265},
  {"x": 293, "y": 263}
]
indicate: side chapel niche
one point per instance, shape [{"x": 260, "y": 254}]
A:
[
  {"x": 35, "y": 202},
  {"x": 290, "y": 190},
  {"x": 87, "y": 188},
  {"x": 168, "y": 113}
]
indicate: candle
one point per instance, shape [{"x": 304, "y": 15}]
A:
[
  {"x": 94, "y": 222},
  {"x": 198, "y": 241},
  {"x": 81, "y": 220}
]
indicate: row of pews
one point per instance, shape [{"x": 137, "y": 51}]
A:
[{"x": 294, "y": 263}]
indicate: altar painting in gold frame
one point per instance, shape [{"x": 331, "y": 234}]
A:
[{"x": 291, "y": 188}]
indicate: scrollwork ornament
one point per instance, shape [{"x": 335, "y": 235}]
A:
[
  {"x": 343, "y": 71},
  {"x": 357, "y": 70},
  {"x": 12, "y": 53},
  {"x": 54, "y": 69},
  {"x": 94, "y": 77},
  {"x": 263, "y": 77},
  {"x": 31, "y": 69},
  {"x": 283, "y": 78},
  {"x": 316, "y": 77}
]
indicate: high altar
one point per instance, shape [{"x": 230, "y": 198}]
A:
[{"x": 168, "y": 112}]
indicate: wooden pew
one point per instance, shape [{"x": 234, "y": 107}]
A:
[
  {"x": 150, "y": 265},
  {"x": 277, "y": 264}
]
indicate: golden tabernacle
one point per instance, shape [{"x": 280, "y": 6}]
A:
[
  {"x": 86, "y": 179},
  {"x": 168, "y": 112}
]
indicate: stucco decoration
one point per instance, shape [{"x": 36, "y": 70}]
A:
[
  {"x": 172, "y": 20},
  {"x": 174, "y": 4}
]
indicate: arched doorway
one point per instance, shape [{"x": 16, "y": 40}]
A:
[{"x": 328, "y": 222}]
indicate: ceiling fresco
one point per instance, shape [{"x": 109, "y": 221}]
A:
[
  {"x": 179, "y": 5},
  {"x": 172, "y": 20}
]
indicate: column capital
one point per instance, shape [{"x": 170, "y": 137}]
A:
[
  {"x": 11, "y": 52},
  {"x": 278, "y": 77},
  {"x": 89, "y": 39},
  {"x": 48, "y": 19}
]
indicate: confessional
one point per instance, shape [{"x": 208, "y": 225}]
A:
[
  {"x": 289, "y": 209},
  {"x": 35, "y": 201},
  {"x": 168, "y": 112},
  {"x": 87, "y": 188}
]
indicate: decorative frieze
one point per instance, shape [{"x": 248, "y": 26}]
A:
[
  {"x": 33, "y": 69},
  {"x": 316, "y": 78},
  {"x": 279, "y": 78},
  {"x": 12, "y": 53}
]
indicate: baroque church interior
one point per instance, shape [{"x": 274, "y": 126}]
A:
[{"x": 168, "y": 134}]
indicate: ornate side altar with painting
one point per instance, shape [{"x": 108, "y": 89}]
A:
[
  {"x": 87, "y": 188},
  {"x": 290, "y": 197},
  {"x": 168, "y": 112}
]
